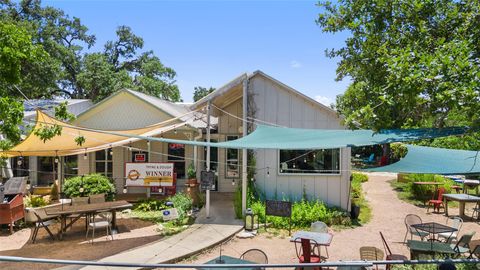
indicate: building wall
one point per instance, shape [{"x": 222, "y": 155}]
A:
[
  {"x": 275, "y": 104},
  {"x": 123, "y": 111}
]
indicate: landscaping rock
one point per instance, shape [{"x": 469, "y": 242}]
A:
[{"x": 244, "y": 234}]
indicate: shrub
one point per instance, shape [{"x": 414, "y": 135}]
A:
[
  {"x": 397, "y": 151},
  {"x": 91, "y": 184},
  {"x": 183, "y": 203},
  {"x": 359, "y": 177},
  {"x": 425, "y": 192},
  {"x": 150, "y": 205},
  {"x": 304, "y": 213},
  {"x": 35, "y": 201}
]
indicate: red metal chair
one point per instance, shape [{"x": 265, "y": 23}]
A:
[
  {"x": 437, "y": 202},
  {"x": 306, "y": 253},
  {"x": 390, "y": 255}
]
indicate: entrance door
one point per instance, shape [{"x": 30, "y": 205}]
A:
[{"x": 213, "y": 162}]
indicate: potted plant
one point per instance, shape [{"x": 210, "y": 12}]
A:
[
  {"x": 192, "y": 175},
  {"x": 355, "y": 210}
]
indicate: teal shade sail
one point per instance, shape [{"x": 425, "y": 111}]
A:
[
  {"x": 268, "y": 137},
  {"x": 431, "y": 160}
]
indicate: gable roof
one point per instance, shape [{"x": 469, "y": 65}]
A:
[{"x": 238, "y": 80}]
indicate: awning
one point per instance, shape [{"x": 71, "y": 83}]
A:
[
  {"x": 431, "y": 160},
  {"x": 64, "y": 144}
]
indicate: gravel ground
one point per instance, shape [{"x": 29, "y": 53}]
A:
[{"x": 388, "y": 213}]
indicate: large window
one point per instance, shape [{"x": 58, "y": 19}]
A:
[
  {"x": 325, "y": 161},
  {"x": 46, "y": 171},
  {"x": 232, "y": 170},
  {"x": 70, "y": 166},
  {"x": 103, "y": 162},
  {"x": 213, "y": 157},
  {"x": 176, "y": 154},
  {"x": 20, "y": 166}
]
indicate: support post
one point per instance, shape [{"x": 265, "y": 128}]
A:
[
  {"x": 149, "y": 160},
  {"x": 207, "y": 199},
  {"x": 244, "y": 151}
]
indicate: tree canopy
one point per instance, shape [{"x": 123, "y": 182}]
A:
[
  {"x": 73, "y": 70},
  {"x": 199, "y": 92},
  {"x": 412, "y": 63}
]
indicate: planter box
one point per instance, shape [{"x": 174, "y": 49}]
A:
[
  {"x": 30, "y": 216},
  {"x": 41, "y": 191}
]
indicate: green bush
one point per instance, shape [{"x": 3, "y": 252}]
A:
[
  {"x": 183, "y": 203},
  {"x": 425, "y": 192},
  {"x": 237, "y": 202},
  {"x": 150, "y": 204},
  {"x": 91, "y": 184},
  {"x": 34, "y": 201},
  {"x": 191, "y": 172},
  {"x": 359, "y": 177},
  {"x": 397, "y": 151},
  {"x": 304, "y": 213}
]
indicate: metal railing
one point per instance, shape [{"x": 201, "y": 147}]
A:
[{"x": 238, "y": 266}]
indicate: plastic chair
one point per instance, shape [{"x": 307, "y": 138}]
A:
[
  {"x": 410, "y": 220},
  {"x": 437, "y": 202},
  {"x": 320, "y": 227},
  {"x": 463, "y": 245},
  {"x": 105, "y": 222},
  {"x": 371, "y": 254},
  {"x": 305, "y": 252},
  {"x": 390, "y": 255},
  {"x": 370, "y": 159},
  {"x": 457, "y": 223},
  {"x": 42, "y": 221},
  {"x": 255, "y": 255}
]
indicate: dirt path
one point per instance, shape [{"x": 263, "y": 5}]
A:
[{"x": 388, "y": 217}]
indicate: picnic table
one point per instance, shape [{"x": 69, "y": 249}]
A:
[
  {"x": 227, "y": 260},
  {"x": 462, "y": 199},
  {"x": 422, "y": 247},
  {"x": 321, "y": 239},
  {"x": 433, "y": 228},
  {"x": 66, "y": 210}
]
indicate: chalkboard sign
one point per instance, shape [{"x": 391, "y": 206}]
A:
[
  {"x": 278, "y": 208},
  {"x": 207, "y": 180}
]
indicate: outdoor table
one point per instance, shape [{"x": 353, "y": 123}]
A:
[
  {"x": 462, "y": 199},
  {"x": 433, "y": 228},
  {"x": 322, "y": 239},
  {"x": 63, "y": 211},
  {"x": 421, "y": 247},
  {"x": 227, "y": 260}
]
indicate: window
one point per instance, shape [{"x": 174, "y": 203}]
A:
[
  {"x": 176, "y": 153},
  {"x": 324, "y": 161},
  {"x": 213, "y": 157},
  {"x": 232, "y": 170},
  {"x": 103, "y": 162},
  {"x": 70, "y": 166},
  {"x": 20, "y": 166},
  {"x": 46, "y": 171}
]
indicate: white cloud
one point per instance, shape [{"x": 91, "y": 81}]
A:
[
  {"x": 295, "y": 64},
  {"x": 324, "y": 100}
]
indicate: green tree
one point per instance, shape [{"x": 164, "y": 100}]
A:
[
  {"x": 199, "y": 92},
  {"x": 412, "y": 63}
]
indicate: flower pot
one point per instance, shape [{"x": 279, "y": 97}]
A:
[{"x": 192, "y": 182}]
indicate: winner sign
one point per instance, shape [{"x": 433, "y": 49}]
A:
[{"x": 149, "y": 174}]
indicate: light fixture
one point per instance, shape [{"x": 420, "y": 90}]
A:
[
  {"x": 268, "y": 171},
  {"x": 125, "y": 189},
  {"x": 305, "y": 160},
  {"x": 293, "y": 165},
  {"x": 20, "y": 161},
  {"x": 314, "y": 156},
  {"x": 175, "y": 131},
  {"x": 233, "y": 182},
  {"x": 81, "y": 189},
  {"x": 85, "y": 156},
  {"x": 111, "y": 150},
  {"x": 130, "y": 147}
]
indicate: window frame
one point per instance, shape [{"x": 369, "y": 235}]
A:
[
  {"x": 226, "y": 157},
  {"x": 310, "y": 174},
  {"x": 105, "y": 162},
  {"x": 175, "y": 160}
]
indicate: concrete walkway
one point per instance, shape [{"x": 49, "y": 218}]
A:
[{"x": 206, "y": 232}]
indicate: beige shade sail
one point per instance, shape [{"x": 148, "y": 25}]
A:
[{"x": 65, "y": 145}]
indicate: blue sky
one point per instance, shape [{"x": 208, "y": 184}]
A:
[{"x": 208, "y": 43}]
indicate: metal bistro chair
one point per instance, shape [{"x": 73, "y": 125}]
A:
[
  {"x": 463, "y": 245},
  {"x": 390, "y": 255},
  {"x": 75, "y": 201},
  {"x": 320, "y": 227},
  {"x": 438, "y": 201},
  {"x": 306, "y": 253},
  {"x": 476, "y": 211},
  {"x": 371, "y": 254},
  {"x": 456, "y": 223},
  {"x": 255, "y": 255},
  {"x": 476, "y": 252},
  {"x": 410, "y": 220},
  {"x": 97, "y": 198}
]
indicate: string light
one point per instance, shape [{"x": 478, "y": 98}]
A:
[
  {"x": 85, "y": 156},
  {"x": 56, "y": 156},
  {"x": 125, "y": 190},
  {"x": 268, "y": 171},
  {"x": 233, "y": 182},
  {"x": 20, "y": 161},
  {"x": 111, "y": 150}
]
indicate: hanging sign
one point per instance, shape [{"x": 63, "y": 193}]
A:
[
  {"x": 207, "y": 180},
  {"x": 149, "y": 174},
  {"x": 140, "y": 157}
]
